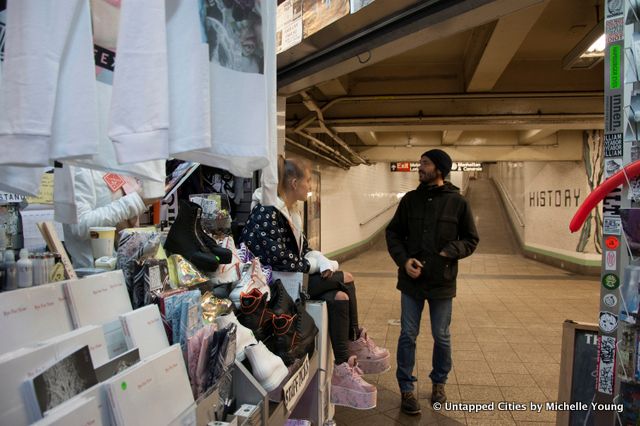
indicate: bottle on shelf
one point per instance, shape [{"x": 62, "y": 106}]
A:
[
  {"x": 25, "y": 269},
  {"x": 38, "y": 269},
  {"x": 3, "y": 248},
  {"x": 11, "y": 270}
]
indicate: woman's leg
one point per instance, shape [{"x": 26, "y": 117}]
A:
[
  {"x": 338, "y": 311},
  {"x": 350, "y": 289}
]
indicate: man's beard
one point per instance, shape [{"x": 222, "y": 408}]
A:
[{"x": 428, "y": 177}]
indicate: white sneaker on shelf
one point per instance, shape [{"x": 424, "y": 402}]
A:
[
  {"x": 252, "y": 277},
  {"x": 244, "y": 336},
  {"x": 268, "y": 368}
]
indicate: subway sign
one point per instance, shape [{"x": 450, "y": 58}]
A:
[
  {"x": 457, "y": 166},
  {"x": 466, "y": 166}
]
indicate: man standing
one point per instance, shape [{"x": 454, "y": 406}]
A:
[{"x": 432, "y": 228}]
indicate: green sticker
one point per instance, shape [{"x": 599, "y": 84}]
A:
[
  {"x": 610, "y": 281},
  {"x": 123, "y": 385},
  {"x": 615, "y": 60}
]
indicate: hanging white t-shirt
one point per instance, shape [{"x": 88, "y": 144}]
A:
[
  {"x": 189, "y": 90},
  {"x": 139, "y": 126},
  {"x": 47, "y": 43},
  {"x": 106, "y": 27},
  {"x": 242, "y": 84}
]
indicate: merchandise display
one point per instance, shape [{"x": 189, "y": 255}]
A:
[
  {"x": 143, "y": 330},
  {"x": 146, "y": 383},
  {"x": 76, "y": 411},
  {"x": 267, "y": 368},
  {"x": 97, "y": 299},
  {"x": 16, "y": 366},
  {"x": 32, "y": 315},
  {"x": 244, "y": 336},
  {"x": 168, "y": 319}
]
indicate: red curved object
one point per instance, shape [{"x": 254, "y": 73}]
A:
[{"x": 601, "y": 191}]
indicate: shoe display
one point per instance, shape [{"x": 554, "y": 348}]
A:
[
  {"x": 244, "y": 336},
  {"x": 295, "y": 335},
  {"x": 349, "y": 389},
  {"x": 255, "y": 313},
  {"x": 252, "y": 277},
  {"x": 185, "y": 240},
  {"x": 410, "y": 404},
  {"x": 281, "y": 302},
  {"x": 372, "y": 359},
  {"x": 267, "y": 368},
  {"x": 438, "y": 394}
]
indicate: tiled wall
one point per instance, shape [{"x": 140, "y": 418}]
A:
[
  {"x": 358, "y": 202},
  {"x": 544, "y": 196}
]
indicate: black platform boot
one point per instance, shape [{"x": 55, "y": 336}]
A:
[
  {"x": 255, "y": 314},
  {"x": 281, "y": 302},
  {"x": 294, "y": 335},
  {"x": 184, "y": 239}
]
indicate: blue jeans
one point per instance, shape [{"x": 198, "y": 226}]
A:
[{"x": 440, "y": 313}]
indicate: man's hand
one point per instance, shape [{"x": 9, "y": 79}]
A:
[{"x": 413, "y": 268}]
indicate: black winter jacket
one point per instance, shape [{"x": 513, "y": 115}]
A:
[{"x": 429, "y": 220}]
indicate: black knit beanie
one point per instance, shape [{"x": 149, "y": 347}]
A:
[{"x": 441, "y": 159}]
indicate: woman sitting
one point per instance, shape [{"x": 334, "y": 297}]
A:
[{"x": 275, "y": 235}]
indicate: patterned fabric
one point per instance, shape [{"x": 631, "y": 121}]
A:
[
  {"x": 144, "y": 279},
  {"x": 269, "y": 236}
]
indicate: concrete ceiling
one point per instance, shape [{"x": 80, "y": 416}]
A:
[{"x": 472, "y": 74}]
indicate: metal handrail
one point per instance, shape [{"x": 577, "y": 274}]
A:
[{"x": 379, "y": 213}]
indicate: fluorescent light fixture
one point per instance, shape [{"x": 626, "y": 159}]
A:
[{"x": 588, "y": 52}]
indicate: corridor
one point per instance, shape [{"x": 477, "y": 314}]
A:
[{"x": 506, "y": 327}]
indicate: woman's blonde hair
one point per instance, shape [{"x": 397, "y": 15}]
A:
[{"x": 288, "y": 169}]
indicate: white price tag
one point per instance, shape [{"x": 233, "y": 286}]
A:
[{"x": 155, "y": 280}]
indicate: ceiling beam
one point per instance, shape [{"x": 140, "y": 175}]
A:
[
  {"x": 527, "y": 137},
  {"x": 463, "y": 123},
  {"x": 449, "y": 137},
  {"x": 335, "y": 87},
  {"x": 504, "y": 42},
  {"x": 368, "y": 137},
  {"x": 391, "y": 42}
]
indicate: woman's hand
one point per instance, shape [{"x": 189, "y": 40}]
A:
[{"x": 328, "y": 273}]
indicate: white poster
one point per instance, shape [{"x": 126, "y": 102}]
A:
[{"x": 289, "y": 25}]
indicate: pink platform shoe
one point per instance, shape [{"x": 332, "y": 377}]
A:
[
  {"x": 372, "y": 359},
  {"x": 349, "y": 389}
]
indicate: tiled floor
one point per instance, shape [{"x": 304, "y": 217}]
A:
[{"x": 506, "y": 332}]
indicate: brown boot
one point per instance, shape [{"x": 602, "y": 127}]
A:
[
  {"x": 410, "y": 404},
  {"x": 438, "y": 394}
]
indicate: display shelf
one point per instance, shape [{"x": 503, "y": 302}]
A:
[{"x": 278, "y": 413}]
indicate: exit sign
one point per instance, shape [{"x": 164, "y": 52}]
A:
[{"x": 404, "y": 166}]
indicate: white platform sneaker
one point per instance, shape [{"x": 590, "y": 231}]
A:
[
  {"x": 267, "y": 367},
  {"x": 244, "y": 336}
]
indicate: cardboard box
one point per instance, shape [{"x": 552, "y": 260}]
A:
[
  {"x": 98, "y": 299},
  {"x": 18, "y": 366},
  {"x": 154, "y": 391},
  {"x": 143, "y": 329},
  {"x": 30, "y": 315}
]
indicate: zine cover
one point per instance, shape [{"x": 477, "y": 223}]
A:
[
  {"x": 65, "y": 379},
  {"x": 117, "y": 365}
]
